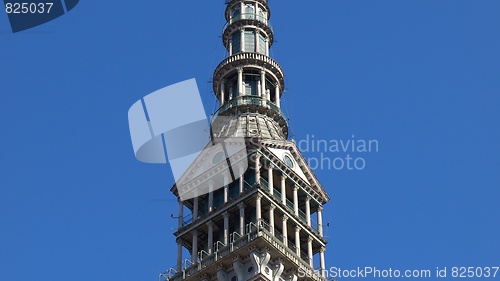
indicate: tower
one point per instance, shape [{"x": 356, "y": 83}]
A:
[{"x": 265, "y": 220}]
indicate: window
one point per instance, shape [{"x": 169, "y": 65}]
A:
[
  {"x": 288, "y": 161},
  {"x": 236, "y": 41},
  {"x": 249, "y": 41},
  {"x": 262, "y": 44},
  {"x": 250, "y": 85}
]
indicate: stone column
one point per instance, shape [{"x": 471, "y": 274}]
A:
[
  {"x": 240, "y": 81},
  {"x": 194, "y": 252},
  {"x": 257, "y": 168},
  {"x": 210, "y": 237},
  {"x": 241, "y": 205},
  {"x": 263, "y": 83},
  {"x": 297, "y": 240},
  {"x": 226, "y": 188},
  {"x": 226, "y": 227},
  {"x": 242, "y": 39},
  {"x": 310, "y": 251},
  {"x": 295, "y": 200},
  {"x": 222, "y": 93},
  {"x": 179, "y": 254},
  {"x": 181, "y": 213},
  {"x": 195, "y": 206},
  {"x": 322, "y": 261},
  {"x": 308, "y": 210},
  {"x": 283, "y": 188},
  {"x": 230, "y": 47},
  {"x": 210, "y": 196},
  {"x": 258, "y": 210},
  {"x": 320, "y": 221},
  {"x": 270, "y": 177},
  {"x": 277, "y": 95},
  {"x": 230, "y": 92},
  {"x": 285, "y": 238},
  {"x": 241, "y": 179},
  {"x": 271, "y": 219}
]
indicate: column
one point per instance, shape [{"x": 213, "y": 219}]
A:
[
  {"x": 259, "y": 89},
  {"x": 181, "y": 213},
  {"x": 283, "y": 189},
  {"x": 310, "y": 251},
  {"x": 320, "y": 221},
  {"x": 308, "y": 210},
  {"x": 210, "y": 237},
  {"x": 242, "y": 218},
  {"x": 226, "y": 227},
  {"x": 267, "y": 47},
  {"x": 195, "y": 206},
  {"x": 210, "y": 196},
  {"x": 257, "y": 168},
  {"x": 263, "y": 82},
  {"x": 194, "y": 252},
  {"x": 257, "y": 41},
  {"x": 285, "y": 239},
  {"x": 230, "y": 47},
  {"x": 297, "y": 240},
  {"x": 296, "y": 200},
  {"x": 179, "y": 254},
  {"x": 271, "y": 219},
  {"x": 258, "y": 210},
  {"x": 242, "y": 39},
  {"x": 241, "y": 179},
  {"x": 322, "y": 261},
  {"x": 240, "y": 81},
  {"x": 222, "y": 94},
  {"x": 270, "y": 177},
  {"x": 277, "y": 95},
  {"x": 226, "y": 188}
]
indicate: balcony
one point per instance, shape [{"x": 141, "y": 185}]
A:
[
  {"x": 236, "y": 242},
  {"x": 248, "y": 101},
  {"x": 289, "y": 205},
  {"x": 248, "y": 17},
  {"x": 259, "y": 60}
]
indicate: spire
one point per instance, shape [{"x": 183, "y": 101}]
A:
[{"x": 248, "y": 83}]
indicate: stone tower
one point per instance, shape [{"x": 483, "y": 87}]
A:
[{"x": 265, "y": 220}]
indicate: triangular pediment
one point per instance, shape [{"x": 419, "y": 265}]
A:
[{"x": 281, "y": 149}]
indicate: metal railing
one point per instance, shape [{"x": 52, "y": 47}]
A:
[
  {"x": 187, "y": 219},
  {"x": 249, "y": 100},
  {"x": 252, "y": 232},
  {"x": 248, "y": 16}
]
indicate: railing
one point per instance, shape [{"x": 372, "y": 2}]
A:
[
  {"x": 289, "y": 204},
  {"x": 187, "y": 219},
  {"x": 249, "y": 100},
  {"x": 250, "y": 56},
  {"x": 277, "y": 194},
  {"x": 248, "y": 16},
  {"x": 252, "y": 232},
  {"x": 302, "y": 216}
]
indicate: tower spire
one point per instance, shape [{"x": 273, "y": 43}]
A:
[
  {"x": 260, "y": 223},
  {"x": 248, "y": 83}
]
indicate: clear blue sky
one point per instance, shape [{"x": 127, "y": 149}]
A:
[{"x": 421, "y": 77}]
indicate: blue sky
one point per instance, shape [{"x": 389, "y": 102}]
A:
[{"x": 421, "y": 77}]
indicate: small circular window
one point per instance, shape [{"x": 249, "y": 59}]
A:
[
  {"x": 250, "y": 269},
  {"x": 234, "y": 278},
  {"x": 218, "y": 157},
  {"x": 288, "y": 161}
]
